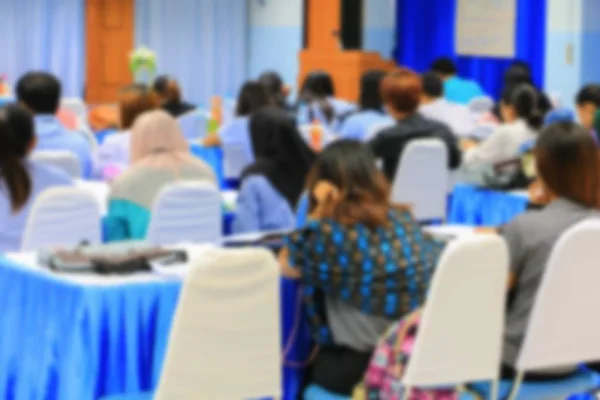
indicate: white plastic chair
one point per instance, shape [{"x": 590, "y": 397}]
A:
[
  {"x": 225, "y": 339},
  {"x": 480, "y": 105},
  {"x": 75, "y": 105},
  {"x": 375, "y": 129},
  {"x": 460, "y": 340},
  {"x": 186, "y": 212},
  {"x": 62, "y": 216},
  {"x": 235, "y": 160},
  {"x": 483, "y": 131},
  {"x": 560, "y": 331},
  {"x": 193, "y": 124},
  {"x": 64, "y": 160},
  {"x": 421, "y": 180}
]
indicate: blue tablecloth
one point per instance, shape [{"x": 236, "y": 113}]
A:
[
  {"x": 213, "y": 156},
  {"x": 65, "y": 340},
  {"x": 469, "y": 205}
]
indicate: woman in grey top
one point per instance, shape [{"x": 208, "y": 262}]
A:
[{"x": 568, "y": 168}]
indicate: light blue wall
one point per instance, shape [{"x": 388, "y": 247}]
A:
[
  {"x": 379, "y": 26},
  {"x": 572, "y": 28},
  {"x": 275, "y": 37}
]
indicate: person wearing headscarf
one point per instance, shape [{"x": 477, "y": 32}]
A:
[
  {"x": 160, "y": 156},
  {"x": 272, "y": 185},
  {"x": 371, "y": 112}
]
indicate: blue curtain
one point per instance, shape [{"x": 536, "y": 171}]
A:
[
  {"x": 44, "y": 35},
  {"x": 200, "y": 43},
  {"x": 426, "y": 31}
]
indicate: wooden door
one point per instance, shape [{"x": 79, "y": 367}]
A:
[
  {"x": 109, "y": 42},
  {"x": 324, "y": 20}
]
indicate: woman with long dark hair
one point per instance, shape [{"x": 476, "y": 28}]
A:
[
  {"x": 371, "y": 111},
  {"x": 21, "y": 180},
  {"x": 352, "y": 259}
]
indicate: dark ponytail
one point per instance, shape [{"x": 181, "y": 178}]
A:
[
  {"x": 16, "y": 136},
  {"x": 524, "y": 99}
]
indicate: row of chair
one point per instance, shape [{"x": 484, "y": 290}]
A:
[
  {"x": 185, "y": 212},
  {"x": 459, "y": 339}
]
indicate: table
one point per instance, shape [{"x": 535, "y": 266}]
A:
[
  {"x": 84, "y": 337},
  {"x": 469, "y": 205}
]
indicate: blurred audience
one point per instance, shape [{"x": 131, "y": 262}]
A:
[
  {"x": 456, "y": 89},
  {"x": 21, "y": 180},
  {"x": 434, "y": 106},
  {"x": 40, "y": 92},
  {"x": 370, "y": 113},
  {"x": 271, "y": 186},
  {"x": 134, "y": 100},
  {"x": 401, "y": 91},
  {"x": 169, "y": 94},
  {"x": 160, "y": 155},
  {"x": 279, "y": 92},
  {"x": 588, "y": 102}
]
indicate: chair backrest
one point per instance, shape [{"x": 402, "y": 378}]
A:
[
  {"x": 375, "y": 129},
  {"x": 193, "y": 124},
  {"x": 235, "y": 160},
  {"x": 562, "y": 329},
  {"x": 186, "y": 212},
  {"x": 64, "y": 160},
  {"x": 64, "y": 216},
  {"x": 76, "y": 105},
  {"x": 482, "y": 131},
  {"x": 481, "y": 105},
  {"x": 225, "y": 339},
  {"x": 461, "y": 330},
  {"x": 422, "y": 177},
  {"x": 87, "y": 133}
]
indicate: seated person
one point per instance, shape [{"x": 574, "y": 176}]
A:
[
  {"x": 279, "y": 92},
  {"x": 317, "y": 95},
  {"x": 433, "y": 106},
  {"x": 401, "y": 91},
  {"x": 40, "y": 92},
  {"x": 160, "y": 155},
  {"x": 588, "y": 102},
  {"x": 567, "y": 166},
  {"x": 456, "y": 89},
  {"x": 134, "y": 100},
  {"x": 169, "y": 94},
  {"x": 357, "y": 276},
  {"x": 271, "y": 186},
  {"x": 253, "y": 96},
  {"x": 522, "y": 121},
  {"x": 21, "y": 180},
  {"x": 370, "y": 113}
]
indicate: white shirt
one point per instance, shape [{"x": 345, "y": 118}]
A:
[
  {"x": 502, "y": 145},
  {"x": 456, "y": 116}
]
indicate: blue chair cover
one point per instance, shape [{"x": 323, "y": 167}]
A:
[
  {"x": 481, "y": 207},
  {"x": 213, "y": 156},
  {"x": 314, "y": 392},
  {"x": 302, "y": 211},
  {"x": 62, "y": 340},
  {"x": 582, "y": 382}
]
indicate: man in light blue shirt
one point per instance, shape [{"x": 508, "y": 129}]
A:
[
  {"x": 40, "y": 92},
  {"x": 456, "y": 89}
]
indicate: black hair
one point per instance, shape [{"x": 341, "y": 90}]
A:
[
  {"x": 318, "y": 84},
  {"x": 16, "y": 137},
  {"x": 40, "y": 92},
  {"x": 253, "y": 96},
  {"x": 370, "y": 90},
  {"x": 524, "y": 99},
  {"x": 518, "y": 73},
  {"x": 161, "y": 84},
  {"x": 589, "y": 94},
  {"x": 444, "y": 66},
  {"x": 432, "y": 85},
  {"x": 273, "y": 83}
]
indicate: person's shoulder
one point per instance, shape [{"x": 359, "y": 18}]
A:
[{"x": 50, "y": 174}]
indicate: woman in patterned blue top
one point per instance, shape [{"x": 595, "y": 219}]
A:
[{"x": 363, "y": 263}]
